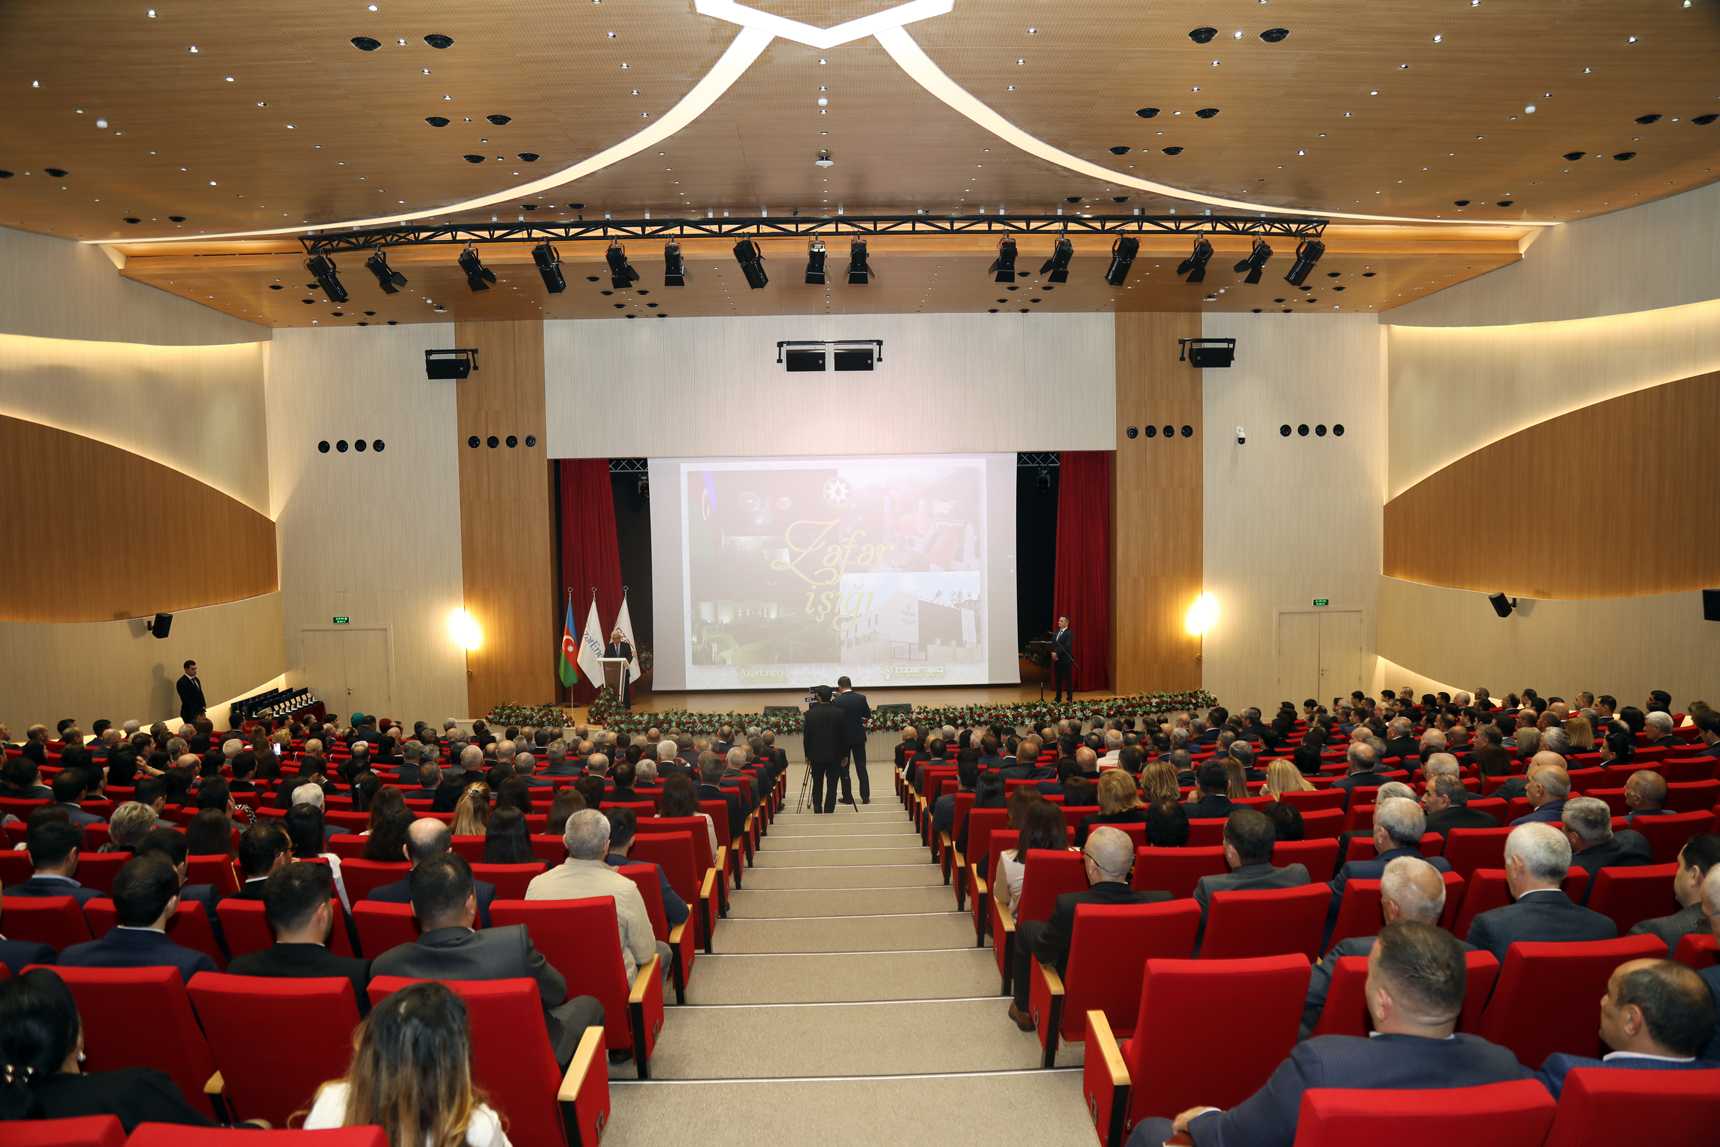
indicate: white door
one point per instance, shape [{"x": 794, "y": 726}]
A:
[
  {"x": 1299, "y": 658},
  {"x": 347, "y": 669},
  {"x": 1340, "y": 652}
]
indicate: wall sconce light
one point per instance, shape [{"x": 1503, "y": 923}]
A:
[
  {"x": 1201, "y": 615},
  {"x": 464, "y": 631}
]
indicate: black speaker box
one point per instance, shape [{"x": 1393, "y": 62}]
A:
[
  {"x": 1501, "y": 604},
  {"x": 162, "y": 625},
  {"x": 1711, "y": 605}
]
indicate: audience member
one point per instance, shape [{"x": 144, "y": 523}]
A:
[
  {"x": 1286, "y": 820},
  {"x": 1657, "y": 1015},
  {"x": 1119, "y": 803},
  {"x": 623, "y": 826},
  {"x": 1546, "y": 789},
  {"x": 16, "y": 955},
  {"x": 1248, "y": 840},
  {"x": 1398, "y": 826},
  {"x": 263, "y": 848},
  {"x": 1645, "y": 794},
  {"x": 1211, "y": 782},
  {"x": 1167, "y": 824},
  {"x": 1042, "y": 826},
  {"x": 53, "y": 848},
  {"x": 1446, "y": 804},
  {"x": 1537, "y": 859},
  {"x": 424, "y": 839},
  {"x": 1695, "y": 861},
  {"x": 1588, "y": 826},
  {"x": 299, "y": 902},
  {"x": 145, "y": 897},
  {"x": 585, "y": 874}
]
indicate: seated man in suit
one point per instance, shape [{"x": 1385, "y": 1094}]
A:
[
  {"x": 1645, "y": 795},
  {"x": 1695, "y": 861},
  {"x": 1108, "y": 856},
  {"x": 1400, "y": 741},
  {"x": 70, "y": 787},
  {"x": 263, "y": 848},
  {"x": 1398, "y": 825},
  {"x": 145, "y": 897},
  {"x": 1410, "y": 889},
  {"x": 427, "y": 838},
  {"x": 1587, "y": 822},
  {"x": 1658, "y": 727},
  {"x": 1446, "y": 803},
  {"x": 710, "y": 789},
  {"x": 429, "y": 778},
  {"x": 1026, "y": 766},
  {"x": 1363, "y": 770},
  {"x": 446, "y": 903},
  {"x": 1537, "y": 859},
  {"x": 1546, "y": 789},
  {"x": 1708, "y": 733},
  {"x": 967, "y": 776},
  {"x": 525, "y": 767},
  {"x": 54, "y": 856},
  {"x": 16, "y": 955},
  {"x": 1657, "y": 1015},
  {"x": 585, "y": 874},
  {"x": 297, "y": 899},
  {"x": 623, "y": 826},
  {"x": 1211, "y": 782},
  {"x": 1248, "y": 838},
  {"x": 1416, "y": 980}
]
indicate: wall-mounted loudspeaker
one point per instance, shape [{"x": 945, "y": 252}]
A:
[
  {"x": 1502, "y": 605},
  {"x": 1711, "y": 605},
  {"x": 161, "y": 626}
]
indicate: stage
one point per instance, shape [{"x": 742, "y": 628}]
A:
[{"x": 754, "y": 701}]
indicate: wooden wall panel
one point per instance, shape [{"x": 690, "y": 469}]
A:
[
  {"x": 505, "y": 518},
  {"x": 1156, "y": 507},
  {"x": 1643, "y": 460},
  {"x": 62, "y": 495}
]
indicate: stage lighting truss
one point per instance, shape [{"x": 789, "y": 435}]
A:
[
  {"x": 478, "y": 276},
  {"x": 859, "y": 271},
  {"x": 548, "y": 262},
  {"x": 751, "y": 259},
  {"x": 387, "y": 277},
  {"x": 1308, "y": 253},
  {"x": 815, "y": 262},
  {"x": 1256, "y": 261},
  {"x": 322, "y": 269},
  {"x": 674, "y": 267},
  {"x": 1058, "y": 264},
  {"x": 622, "y": 276},
  {"x": 1195, "y": 265},
  {"x": 1002, "y": 268},
  {"x": 1122, "y": 258}
]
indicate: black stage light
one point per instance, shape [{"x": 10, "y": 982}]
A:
[
  {"x": 478, "y": 276},
  {"x": 454, "y": 363},
  {"x": 549, "y": 266},
  {"x": 815, "y": 262},
  {"x": 1308, "y": 253},
  {"x": 674, "y": 269},
  {"x": 387, "y": 278},
  {"x": 322, "y": 269},
  {"x": 1058, "y": 264},
  {"x": 1122, "y": 258},
  {"x": 859, "y": 271},
  {"x": 751, "y": 260},
  {"x": 621, "y": 276},
  {"x": 1256, "y": 261},
  {"x": 1195, "y": 265},
  {"x": 1003, "y": 267}
]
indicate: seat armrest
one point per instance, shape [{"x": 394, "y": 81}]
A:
[
  {"x": 1099, "y": 1035},
  {"x": 588, "y": 1055},
  {"x": 643, "y": 977},
  {"x": 1054, "y": 983}
]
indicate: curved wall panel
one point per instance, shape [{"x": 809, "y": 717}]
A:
[
  {"x": 1604, "y": 502},
  {"x": 71, "y": 505}
]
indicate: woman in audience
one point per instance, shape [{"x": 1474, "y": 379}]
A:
[
  {"x": 1528, "y": 744},
  {"x": 386, "y": 837},
  {"x": 1283, "y": 777},
  {"x": 411, "y": 1075},
  {"x": 179, "y": 780},
  {"x": 514, "y": 792},
  {"x": 383, "y": 800},
  {"x": 1079, "y": 792},
  {"x": 1286, "y": 820},
  {"x": 680, "y": 798},
  {"x": 363, "y": 790},
  {"x": 567, "y": 802},
  {"x": 507, "y": 840},
  {"x": 210, "y": 833},
  {"x": 1306, "y": 758},
  {"x": 1167, "y": 824},
  {"x": 472, "y": 814},
  {"x": 42, "y": 1044},
  {"x": 1042, "y": 826},
  {"x": 304, "y": 825},
  {"x": 988, "y": 792},
  {"x": 1119, "y": 803},
  {"x": 1582, "y": 734},
  {"x": 1159, "y": 782},
  {"x": 1618, "y": 746},
  {"x": 1236, "y": 779},
  {"x": 591, "y": 788}
]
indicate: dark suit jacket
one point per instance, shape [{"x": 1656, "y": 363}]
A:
[
  {"x": 1359, "y": 780},
  {"x": 1559, "y": 1065},
  {"x": 251, "y": 889},
  {"x": 1550, "y": 813},
  {"x": 1372, "y": 870},
  {"x": 1543, "y": 915},
  {"x": 1052, "y": 944},
  {"x": 1247, "y": 878},
  {"x": 1063, "y": 644},
  {"x": 191, "y": 702},
  {"x": 136, "y": 948},
  {"x": 306, "y": 961},
  {"x": 1626, "y": 849},
  {"x": 825, "y": 733},
  {"x": 1320, "y": 979},
  {"x": 732, "y": 801},
  {"x": 1447, "y": 819},
  {"x": 39, "y": 886},
  {"x": 905, "y": 751},
  {"x": 1381, "y": 1062},
  {"x": 1209, "y": 806},
  {"x": 132, "y": 1094},
  {"x": 855, "y": 707},
  {"x": 397, "y": 893},
  {"x": 493, "y": 954},
  {"x": 1672, "y": 928},
  {"x": 20, "y": 954},
  {"x": 1406, "y": 747}
]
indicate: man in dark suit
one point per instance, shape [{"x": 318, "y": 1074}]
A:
[
  {"x": 190, "y": 689},
  {"x": 855, "y": 708},
  {"x": 1695, "y": 860},
  {"x": 1210, "y": 784},
  {"x": 1547, "y": 787},
  {"x": 16, "y": 955},
  {"x": 1708, "y": 733},
  {"x": 1063, "y": 661},
  {"x": 1026, "y": 766},
  {"x": 1398, "y": 826},
  {"x": 909, "y": 745},
  {"x": 70, "y": 787},
  {"x": 1416, "y": 981},
  {"x": 1537, "y": 857},
  {"x": 296, "y": 898},
  {"x": 145, "y": 897},
  {"x": 429, "y": 838},
  {"x": 1587, "y": 823},
  {"x": 620, "y": 647},
  {"x": 54, "y": 857},
  {"x": 1256, "y": 730},
  {"x": 1400, "y": 742},
  {"x": 711, "y": 789},
  {"x": 263, "y": 849},
  {"x": 446, "y": 903},
  {"x": 1657, "y": 1015},
  {"x": 1108, "y": 855},
  {"x": 1248, "y": 838},
  {"x": 1446, "y": 804},
  {"x": 824, "y": 734},
  {"x": 1363, "y": 771},
  {"x": 1659, "y": 731}
]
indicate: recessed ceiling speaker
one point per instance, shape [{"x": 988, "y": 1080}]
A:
[
  {"x": 1711, "y": 605},
  {"x": 1502, "y": 605},
  {"x": 161, "y": 626}
]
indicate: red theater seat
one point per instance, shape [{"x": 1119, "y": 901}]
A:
[
  {"x": 1265, "y": 922},
  {"x": 1632, "y": 895},
  {"x": 1346, "y": 1010},
  {"x": 1667, "y": 834},
  {"x": 382, "y": 926},
  {"x": 56, "y": 921},
  {"x": 302, "y": 1055},
  {"x": 1698, "y": 950},
  {"x": 1603, "y": 1107},
  {"x": 1548, "y": 993},
  {"x": 85, "y": 1131},
  {"x": 1176, "y": 870},
  {"x": 1319, "y": 857},
  {"x": 1514, "y": 1114},
  {"x": 174, "y": 1135}
]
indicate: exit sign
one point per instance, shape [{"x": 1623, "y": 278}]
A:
[
  {"x": 1317, "y": 601},
  {"x": 345, "y": 620}
]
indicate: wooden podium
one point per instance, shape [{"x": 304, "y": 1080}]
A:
[{"x": 615, "y": 676}]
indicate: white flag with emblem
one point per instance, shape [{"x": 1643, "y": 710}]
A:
[
  {"x": 591, "y": 647},
  {"x": 624, "y": 622}
]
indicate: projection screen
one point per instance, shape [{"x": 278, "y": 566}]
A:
[{"x": 784, "y": 573}]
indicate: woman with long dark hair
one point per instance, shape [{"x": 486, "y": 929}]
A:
[
  {"x": 507, "y": 840},
  {"x": 1042, "y": 826},
  {"x": 388, "y": 834},
  {"x": 304, "y": 825}
]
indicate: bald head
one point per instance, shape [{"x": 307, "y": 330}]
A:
[
  {"x": 426, "y": 838},
  {"x": 1547, "y": 783}
]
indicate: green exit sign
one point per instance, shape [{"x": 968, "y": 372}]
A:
[
  {"x": 1317, "y": 601},
  {"x": 345, "y": 620}
]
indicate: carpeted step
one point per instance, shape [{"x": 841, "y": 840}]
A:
[
  {"x": 809, "y": 902},
  {"x": 845, "y": 977}
]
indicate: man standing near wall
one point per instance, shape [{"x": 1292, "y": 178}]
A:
[
  {"x": 856, "y": 709},
  {"x": 191, "y": 702},
  {"x": 1062, "y": 643}
]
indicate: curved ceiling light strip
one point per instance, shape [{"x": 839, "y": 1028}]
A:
[
  {"x": 913, "y": 60},
  {"x": 746, "y": 48}
]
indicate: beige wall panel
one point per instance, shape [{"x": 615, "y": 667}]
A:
[
  {"x": 1288, "y": 520},
  {"x": 1662, "y": 254},
  {"x": 373, "y": 537},
  {"x": 1155, "y": 567},
  {"x": 1623, "y": 646},
  {"x": 1388, "y": 674},
  {"x": 505, "y": 527},
  {"x": 117, "y": 670},
  {"x": 58, "y": 289},
  {"x": 1457, "y": 389},
  {"x": 198, "y": 409},
  {"x": 1652, "y": 448},
  {"x": 948, "y": 383}
]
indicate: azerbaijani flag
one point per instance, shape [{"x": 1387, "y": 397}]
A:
[{"x": 569, "y": 650}]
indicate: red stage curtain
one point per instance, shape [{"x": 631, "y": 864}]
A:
[
  {"x": 589, "y": 556},
  {"x": 1083, "y": 587}
]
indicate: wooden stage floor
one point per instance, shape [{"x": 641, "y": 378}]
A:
[{"x": 754, "y": 701}]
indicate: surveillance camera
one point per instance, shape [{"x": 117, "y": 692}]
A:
[{"x": 1241, "y": 436}]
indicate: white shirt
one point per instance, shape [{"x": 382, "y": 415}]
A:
[{"x": 329, "y": 1110}]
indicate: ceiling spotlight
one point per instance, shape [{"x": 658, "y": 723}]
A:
[
  {"x": 478, "y": 276},
  {"x": 1256, "y": 261},
  {"x": 859, "y": 271},
  {"x": 1122, "y": 257},
  {"x": 387, "y": 278},
  {"x": 322, "y": 269},
  {"x": 815, "y": 262},
  {"x": 549, "y": 266},
  {"x": 823, "y": 159},
  {"x": 751, "y": 260},
  {"x": 1003, "y": 267},
  {"x": 1058, "y": 264},
  {"x": 674, "y": 270},
  {"x": 1308, "y": 253},
  {"x": 621, "y": 276},
  {"x": 1195, "y": 265}
]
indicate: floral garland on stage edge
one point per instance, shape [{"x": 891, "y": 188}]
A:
[{"x": 527, "y": 716}]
